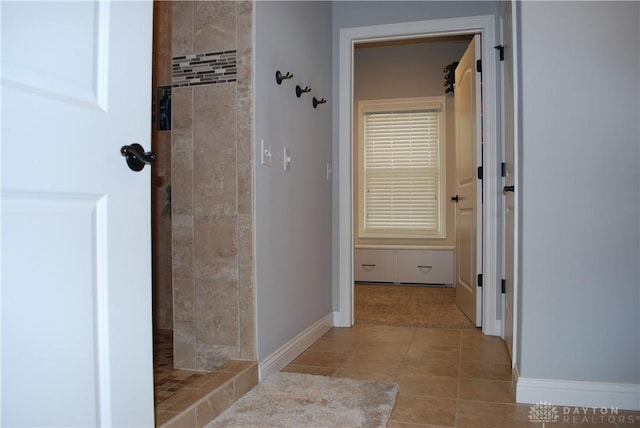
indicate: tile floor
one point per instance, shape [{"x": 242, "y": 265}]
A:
[
  {"x": 186, "y": 398},
  {"x": 447, "y": 378}
]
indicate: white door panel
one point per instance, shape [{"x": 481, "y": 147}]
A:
[
  {"x": 468, "y": 148},
  {"x": 76, "y": 245},
  {"x": 509, "y": 179}
]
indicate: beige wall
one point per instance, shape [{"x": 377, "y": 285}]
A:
[
  {"x": 212, "y": 192},
  {"x": 404, "y": 70}
]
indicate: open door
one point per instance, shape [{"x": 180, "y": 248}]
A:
[
  {"x": 76, "y": 236},
  {"x": 467, "y": 98},
  {"x": 508, "y": 191}
]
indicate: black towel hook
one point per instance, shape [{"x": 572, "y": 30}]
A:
[
  {"x": 280, "y": 77},
  {"x": 300, "y": 91},
  {"x": 317, "y": 101}
]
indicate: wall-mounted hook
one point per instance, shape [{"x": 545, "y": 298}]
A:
[
  {"x": 280, "y": 77},
  {"x": 300, "y": 91},
  {"x": 317, "y": 101}
]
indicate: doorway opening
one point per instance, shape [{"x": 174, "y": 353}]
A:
[
  {"x": 406, "y": 277},
  {"x": 485, "y": 26}
]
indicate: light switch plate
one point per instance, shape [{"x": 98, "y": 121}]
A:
[
  {"x": 266, "y": 153},
  {"x": 287, "y": 159}
]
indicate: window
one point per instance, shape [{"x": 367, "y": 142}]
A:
[{"x": 401, "y": 168}]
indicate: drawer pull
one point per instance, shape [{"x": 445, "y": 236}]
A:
[
  {"x": 368, "y": 268},
  {"x": 424, "y": 269}
]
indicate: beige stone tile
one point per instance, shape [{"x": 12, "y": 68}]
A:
[
  {"x": 485, "y": 371},
  {"x": 482, "y": 341},
  {"x": 162, "y": 417},
  {"x": 185, "y": 419},
  {"x": 321, "y": 359},
  {"x": 333, "y": 345},
  {"x": 437, "y": 336},
  {"x": 184, "y": 399},
  {"x": 216, "y": 247},
  {"x": 247, "y": 337},
  {"x": 489, "y": 354},
  {"x": 182, "y": 28},
  {"x": 184, "y": 354},
  {"x": 425, "y": 410},
  {"x": 434, "y": 352},
  {"x": 214, "y": 404},
  {"x": 486, "y": 390},
  {"x": 245, "y": 188},
  {"x": 426, "y": 385},
  {"x": 246, "y": 287},
  {"x": 358, "y": 332},
  {"x": 374, "y": 362},
  {"x": 237, "y": 366},
  {"x": 182, "y": 119},
  {"x": 182, "y": 183},
  {"x": 245, "y": 381},
  {"x": 214, "y": 118},
  {"x": 389, "y": 349},
  {"x": 312, "y": 370},
  {"x": 212, "y": 381},
  {"x": 245, "y": 239},
  {"x": 380, "y": 376},
  {"x": 244, "y": 25},
  {"x": 477, "y": 414},
  {"x": 217, "y": 320},
  {"x": 209, "y": 357},
  {"x": 429, "y": 367},
  {"x": 215, "y": 182},
  {"x": 215, "y": 26},
  {"x": 391, "y": 335}
]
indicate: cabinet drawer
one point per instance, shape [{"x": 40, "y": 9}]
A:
[
  {"x": 374, "y": 265},
  {"x": 425, "y": 266}
]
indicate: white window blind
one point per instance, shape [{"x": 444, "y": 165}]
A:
[{"x": 402, "y": 172}]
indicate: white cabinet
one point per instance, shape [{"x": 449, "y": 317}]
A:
[
  {"x": 375, "y": 265},
  {"x": 404, "y": 266}
]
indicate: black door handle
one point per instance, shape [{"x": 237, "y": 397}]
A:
[
  {"x": 455, "y": 198},
  {"x": 137, "y": 158},
  {"x": 506, "y": 189}
]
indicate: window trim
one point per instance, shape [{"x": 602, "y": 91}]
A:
[{"x": 402, "y": 104}]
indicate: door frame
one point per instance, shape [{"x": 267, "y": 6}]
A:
[{"x": 490, "y": 233}]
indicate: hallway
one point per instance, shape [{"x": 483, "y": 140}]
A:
[{"x": 447, "y": 377}]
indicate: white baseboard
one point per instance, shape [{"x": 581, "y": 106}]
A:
[
  {"x": 296, "y": 346},
  {"x": 624, "y": 396}
]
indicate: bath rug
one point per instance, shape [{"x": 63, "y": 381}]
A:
[{"x": 302, "y": 400}]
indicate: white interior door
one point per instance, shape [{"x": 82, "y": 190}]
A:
[
  {"x": 76, "y": 247},
  {"x": 467, "y": 98},
  {"x": 508, "y": 182}
]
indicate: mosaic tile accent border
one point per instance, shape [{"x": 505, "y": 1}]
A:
[{"x": 204, "y": 68}]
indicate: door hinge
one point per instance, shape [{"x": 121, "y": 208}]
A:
[
  {"x": 504, "y": 286},
  {"x": 503, "y": 169},
  {"x": 479, "y": 66},
  {"x": 500, "y": 49},
  {"x": 479, "y": 173},
  {"x": 479, "y": 280}
]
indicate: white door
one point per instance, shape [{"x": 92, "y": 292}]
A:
[
  {"x": 508, "y": 182},
  {"x": 76, "y": 254},
  {"x": 467, "y": 98}
]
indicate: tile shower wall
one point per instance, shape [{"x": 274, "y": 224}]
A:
[
  {"x": 212, "y": 207},
  {"x": 161, "y": 174}
]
